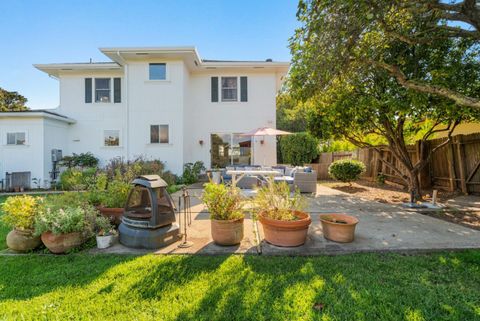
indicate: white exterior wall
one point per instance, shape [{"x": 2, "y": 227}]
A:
[
  {"x": 206, "y": 117},
  {"x": 86, "y": 135},
  {"x": 156, "y": 102},
  {"x": 55, "y": 135},
  {"x": 22, "y": 158}
]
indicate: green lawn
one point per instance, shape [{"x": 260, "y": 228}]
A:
[
  {"x": 3, "y": 228},
  {"x": 353, "y": 287}
]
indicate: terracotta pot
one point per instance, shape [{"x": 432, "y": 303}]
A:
[
  {"x": 22, "y": 240},
  {"x": 114, "y": 214},
  {"x": 286, "y": 233},
  {"x": 227, "y": 232},
  {"x": 338, "y": 227},
  {"x": 61, "y": 243}
]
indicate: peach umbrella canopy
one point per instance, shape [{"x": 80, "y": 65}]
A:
[{"x": 266, "y": 131}]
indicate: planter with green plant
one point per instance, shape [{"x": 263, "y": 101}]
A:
[
  {"x": 64, "y": 227},
  {"x": 19, "y": 213},
  {"x": 112, "y": 200},
  {"x": 105, "y": 233},
  {"x": 226, "y": 216},
  {"x": 280, "y": 212}
]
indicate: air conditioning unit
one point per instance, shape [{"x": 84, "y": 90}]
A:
[{"x": 56, "y": 155}]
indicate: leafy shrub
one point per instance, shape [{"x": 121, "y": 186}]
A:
[
  {"x": 191, "y": 172},
  {"x": 126, "y": 171},
  {"x": 63, "y": 220},
  {"x": 277, "y": 203},
  {"x": 103, "y": 226},
  {"x": 223, "y": 203},
  {"x": 299, "y": 149},
  {"x": 80, "y": 160},
  {"x": 20, "y": 212},
  {"x": 73, "y": 179},
  {"x": 346, "y": 170},
  {"x": 116, "y": 194}
]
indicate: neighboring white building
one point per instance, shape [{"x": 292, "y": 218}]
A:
[{"x": 163, "y": 103}]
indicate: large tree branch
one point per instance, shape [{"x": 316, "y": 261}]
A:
[{"x": 402, "y": 79}]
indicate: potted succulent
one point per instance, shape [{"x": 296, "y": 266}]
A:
[
  {"x": 106, "y": 234},
  {"x": 19, "y": 213},
  {"x": 64, "y": 227},
  {"x": 226, "y": 216},
  {"x": 112, "y": 200},
  {"x": 283, "y": 221},
  {"x": 338, "y": 227}
]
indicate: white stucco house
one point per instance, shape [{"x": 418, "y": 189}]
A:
[{"x": 163, "y": 103}]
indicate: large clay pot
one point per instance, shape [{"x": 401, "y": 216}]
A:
[
  {"x": 22, "y": 240},
  {"x": 286, "y": 233},
  {"x": 61, "y": 243},
  {"x": 227, "y": 232},
  {"x": 338, "y": 227},
  {"x": 114, "y": 214}
]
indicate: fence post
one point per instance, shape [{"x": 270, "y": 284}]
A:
[
  {"x": 451, "y": 166},
  {"x": 461, "y": 163}
]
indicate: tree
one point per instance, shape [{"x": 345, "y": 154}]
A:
[
  {"x": 12, "y": 101},
  {"x": 299, "y": 149},
  {"x": 338, "y": 36}
]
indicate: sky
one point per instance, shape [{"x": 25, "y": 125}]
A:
[{"x": 46, "y": 31}]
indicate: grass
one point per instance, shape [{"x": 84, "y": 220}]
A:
[
  {"x": 442, "y": 286},
  {"x": 3, "y": 228}
]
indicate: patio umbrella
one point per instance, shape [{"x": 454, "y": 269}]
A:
[{"x": 265, "y": 131}]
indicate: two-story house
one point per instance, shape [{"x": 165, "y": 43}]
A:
[{"x": 162, "y": 103}]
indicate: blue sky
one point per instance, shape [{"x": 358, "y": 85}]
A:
[{"x": 71, "y": 31}]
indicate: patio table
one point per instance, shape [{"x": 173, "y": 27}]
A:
[{"x": 238, "y": 174}]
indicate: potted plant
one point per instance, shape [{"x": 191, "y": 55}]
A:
[
  {"x": 226, "y": 216},
  {"x": 338, "y": 227},
  {"x": 283, "y": 221},
  {"x": 112, "y": 200},
  {"x": 106, "y": 234},
  {"x": 64, "y": 227},
  {"x": 19, "y": 213}
]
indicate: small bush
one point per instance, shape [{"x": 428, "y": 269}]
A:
[
  {"x": 19, "y": 212},
  {"x": 80, "y": 160},
  {"x": 73, "y": 179},
  {"x": 223, "y": 203},
  {"x": 346, "y": 170},
  {"x": 103, "y": 226},
  {"x": 191, "y": 172},
  {"x": 126, "y": 171},
  {"x": 299, "y": 149},
  {"x": 276, "y": 201},
  {"x": 115, "y": 195}
]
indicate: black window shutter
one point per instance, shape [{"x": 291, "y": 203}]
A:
[
  {"x": 243, "y": 89},
  {"x": 88, "y": 90},
  {"x": 117, "y": 91},
  {"x": 214, "y": 89}
]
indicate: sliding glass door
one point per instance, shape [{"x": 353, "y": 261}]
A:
[{"x": 230, "y": 149}]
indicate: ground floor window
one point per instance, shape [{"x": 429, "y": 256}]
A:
[
  {"x": 16, "y": 138},
  {"x": 159, "y": 134},
  {"x": 230, "y": 149},
  {"x": 111, "y": 137}
]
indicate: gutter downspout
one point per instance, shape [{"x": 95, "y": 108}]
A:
[{"x": 127, "y": 110}]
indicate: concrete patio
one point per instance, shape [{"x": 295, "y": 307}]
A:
[{"x": 382, "y": 228}]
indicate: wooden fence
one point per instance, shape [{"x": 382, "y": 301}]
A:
[{"x": 453, "y": 167}]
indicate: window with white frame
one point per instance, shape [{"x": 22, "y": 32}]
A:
[
  {"x": 157, "y": 71},
  {"x": 159, "y": 134},
  {"x": 111, "y": 137},
  {"x": 229, "y": 89},
  {"x": 17, "y": 138},
  {"x": 102, "y": 90}
]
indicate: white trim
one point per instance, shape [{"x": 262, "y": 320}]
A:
[{"x": 33, "y": 114}]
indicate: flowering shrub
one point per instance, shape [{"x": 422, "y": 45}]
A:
[{"x": 20, "y": 211}]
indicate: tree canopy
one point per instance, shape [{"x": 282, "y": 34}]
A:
[
  {"x": 337, "y": 37},
  {"x": 12, "y": 101}
]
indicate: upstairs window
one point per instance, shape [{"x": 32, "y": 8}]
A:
[
  {"x": 157, "y": 71},
  {"x": 159, "y": 134},
  {"x": 102, "y": 90},
  {"x": 229, "y": 89},
  {"x": 16, "y": 138},
  {"x": 111, "y": 138}
]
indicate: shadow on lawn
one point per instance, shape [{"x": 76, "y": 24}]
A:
[{"x": 25, "y": 277}]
